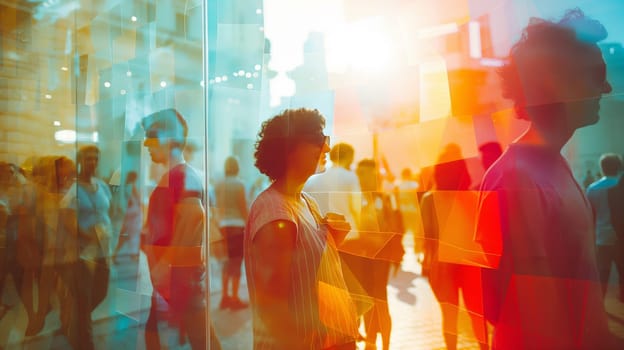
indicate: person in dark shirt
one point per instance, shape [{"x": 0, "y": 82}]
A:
[{"x": 542, "y": 288}]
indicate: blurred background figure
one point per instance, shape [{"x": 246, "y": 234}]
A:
[
  {"x": 337, "y": 189},
  {"x": 132, "y": 214},
  {"x": 385, "y": 176},
  {"x": 589, "y": 179},
  {"x": 616, "y": 208},
  {"x": 407, "y": 193},
  {"x": 6, "y": 182},
  {"x": 231, "y": 215},
  {"x": 369, "y": 255},
  {"x": 86, "y": 216},
  {"x": 607, "y": 249},
  {"x": 20, "y": 251},
  {"x": 52, "y": 176},
  {"x": 27, "y": 243},
  {"x": 30, "y": 238},
  {"x": 448, "y": 277}
]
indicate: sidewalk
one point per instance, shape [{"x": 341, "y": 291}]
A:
[
  {"x": 119, "y": 320},
  {"x": 416, "y": 316},
  {"x": 114, "y": 319}
]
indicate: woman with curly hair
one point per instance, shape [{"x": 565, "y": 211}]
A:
[{"x": 297, "y": 292}]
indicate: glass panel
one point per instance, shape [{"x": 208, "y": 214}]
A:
[
  {"x": 415, "y": 87},
  {"x": 104, "y": 244},
  {"x": 146, "y": 201}
]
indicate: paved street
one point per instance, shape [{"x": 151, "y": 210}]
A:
[
  {"x": 118, "y": 321},
  {"x": 416, "y": 316}
]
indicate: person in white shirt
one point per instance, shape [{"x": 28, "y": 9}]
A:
[
  {"x": 597, "y": 192},
  {"x": 337, "y": 190}
]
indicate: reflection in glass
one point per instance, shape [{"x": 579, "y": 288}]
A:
[{"x": 397, "y": 81}]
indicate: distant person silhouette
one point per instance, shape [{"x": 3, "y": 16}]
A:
[
  {"x": 607, "y": 251},
  {"x": 588, "y": 179},
  {"x": 132, "y": 222},
  {"x": 21, "y": 245},
  {"x": 86, "y": 212},
  {"x": 407, "y": 191},
  {"x": 52, "y": 177},
  {"x": 231, "y": 212},
  {"x": 616, "y": 209},
  {"x": 447, "y": 277},
  {"x": 370, "y": 255}
]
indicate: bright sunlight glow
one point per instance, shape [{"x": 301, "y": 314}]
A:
[{"x": 363, "y": 46}]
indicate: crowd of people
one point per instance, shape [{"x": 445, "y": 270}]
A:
[
  {"x": 528, "y": 249},
  {"x": 58, "y": 220},
  {"x": 57, "y": 227}
]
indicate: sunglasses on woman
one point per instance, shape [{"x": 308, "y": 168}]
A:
[{"x": 318, "y": 140}]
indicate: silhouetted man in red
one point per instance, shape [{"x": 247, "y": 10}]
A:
[{"x": 542, "y": 289}]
